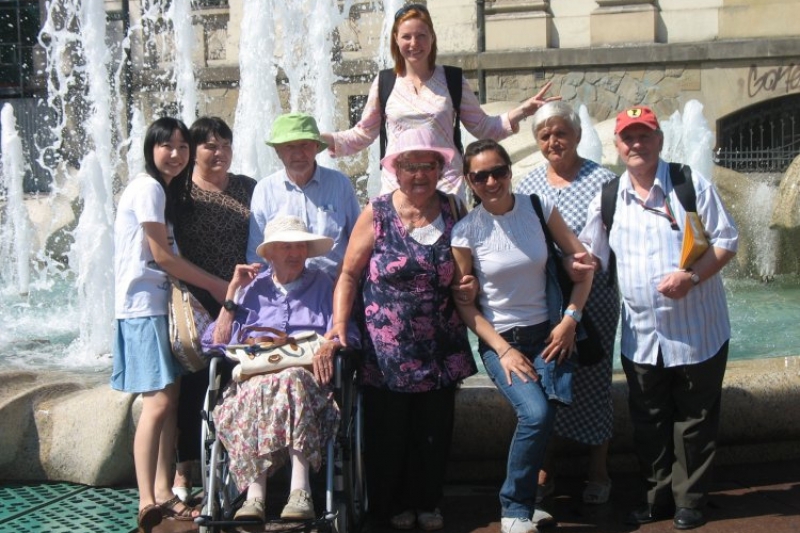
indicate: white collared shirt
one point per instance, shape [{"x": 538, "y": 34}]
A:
[{"x": 692, "y": 329}]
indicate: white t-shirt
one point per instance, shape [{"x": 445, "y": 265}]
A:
[
  {"x": 140, "y": 286},
  {"x": 509, "y": 255}
]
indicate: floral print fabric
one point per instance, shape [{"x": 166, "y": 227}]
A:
[
  {"x": 415, "y": 340},
  {"x": 261, "y": 418}
]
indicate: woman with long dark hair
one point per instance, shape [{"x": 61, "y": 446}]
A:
[
  {"x": 526, "y": 331},
  {"x": 144, "y": 257}
]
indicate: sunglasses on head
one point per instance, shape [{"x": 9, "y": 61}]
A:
[
  {"x": 405, "y": 9},
  {"x": 498, "y": 173}
]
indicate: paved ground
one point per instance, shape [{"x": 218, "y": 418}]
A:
[
  {"x": 755, "y": 498},
  {"x": 751, "y": 498}
]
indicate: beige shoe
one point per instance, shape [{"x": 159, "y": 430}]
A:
[
  {"x": 404, "y": 520},
  {"x": 251, "y": 510},
  {"x": 299, "y": 506},
  {"x": 430, "y": 520}
]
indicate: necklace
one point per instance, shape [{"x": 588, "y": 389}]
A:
[{"x": 413, "y": 217}]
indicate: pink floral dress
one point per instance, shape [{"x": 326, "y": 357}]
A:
[{"x": 416, "y": 341}]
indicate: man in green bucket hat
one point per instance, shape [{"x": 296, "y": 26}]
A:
[{"x": 322, "y": 197}]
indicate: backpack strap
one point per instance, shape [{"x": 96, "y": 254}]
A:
[
  {"x": 608, "y": 203},
  {"x": 454, "y": 77},
  {"x": 681, "y": 176},
  {"x": 456, "y": 207},
  {"x": 386, "y": 80},
  {"x": 537, "y": 206}
]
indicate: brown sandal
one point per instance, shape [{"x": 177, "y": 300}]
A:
[
  {"x": 149, "y": 517},
  {"x": 168, "y": 510}
]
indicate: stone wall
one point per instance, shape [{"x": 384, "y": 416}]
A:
[{"x": 46, "y": 434}]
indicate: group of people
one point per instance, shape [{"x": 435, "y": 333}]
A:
[{"x": 402, "y": 280}]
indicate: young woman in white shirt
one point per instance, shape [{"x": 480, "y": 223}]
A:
[{"x": 144, "y": 256}]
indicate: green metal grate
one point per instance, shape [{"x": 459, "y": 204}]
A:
[{"x": 62, "y": 508}]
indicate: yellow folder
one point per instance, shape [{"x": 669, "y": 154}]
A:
[{"x": 695, "y": 242}]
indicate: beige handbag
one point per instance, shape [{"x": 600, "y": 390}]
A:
[
  {"x": 273, "y": 352},
  {"x": 188, "y": 319}
]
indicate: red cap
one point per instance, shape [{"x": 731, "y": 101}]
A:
[{"x": 636, "y": 115}]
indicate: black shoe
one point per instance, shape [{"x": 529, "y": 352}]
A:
[
  {"x": 646, "y": 514},
  {"x": 686, "y": 518}
]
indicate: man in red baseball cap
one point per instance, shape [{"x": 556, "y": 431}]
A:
[
  {"x": 675, "y": 327},
  {"x": 636, "y": 115}
]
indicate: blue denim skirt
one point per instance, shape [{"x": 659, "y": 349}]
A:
[{"x": 142, "y": 358}]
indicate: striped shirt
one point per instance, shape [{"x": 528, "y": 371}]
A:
[{"x": 689, "y": 330}]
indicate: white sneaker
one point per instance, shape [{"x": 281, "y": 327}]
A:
[
  {"x": 542, "y": 518},
  {"x": 517, "y": 525},
  {"x": 299, "y": 506}
]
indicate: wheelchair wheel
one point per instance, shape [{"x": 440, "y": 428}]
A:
[
  {"x": 351, "y": 503},
  {"x": 218, "y": 489}
]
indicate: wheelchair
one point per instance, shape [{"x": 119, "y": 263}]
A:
[{"x": 345, "y": 481}]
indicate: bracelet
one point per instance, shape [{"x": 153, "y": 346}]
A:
[{"x": 505, "y": 352}]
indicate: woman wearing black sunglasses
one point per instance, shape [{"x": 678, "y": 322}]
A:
[
  {"x": 524, "y": 340},
  {"x": 420, "y": 99}
]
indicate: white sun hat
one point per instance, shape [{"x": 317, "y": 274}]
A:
[{"x": 293, "y": 229}]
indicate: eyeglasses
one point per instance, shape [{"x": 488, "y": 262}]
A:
[
  {"x": 405, "y": 9},
  {"x": 417, "y": 167},
  {"x": 498, "y": 173}
]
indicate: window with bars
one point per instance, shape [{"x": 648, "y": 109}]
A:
[
  {"x": 761, "y": 138},
  {"x": 20, "y": 21}
]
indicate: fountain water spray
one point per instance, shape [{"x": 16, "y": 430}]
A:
[
  {"x": 384, "y": 60},
  {"x": 590, "y": 147},
  {"x": 299, "y": 34},
  {"x": 258, "y": 100},
  {"x": 15, "y": 234},
  {"x": 91, "y": 258},
  {"x": 180, "y": 14}
]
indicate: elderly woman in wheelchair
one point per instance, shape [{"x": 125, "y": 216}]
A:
[{"x": 267, "y": 419}]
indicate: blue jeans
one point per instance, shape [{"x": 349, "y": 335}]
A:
[{"x": 535, "y": 415}]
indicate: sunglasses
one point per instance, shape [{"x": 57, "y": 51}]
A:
[
  {"x": 417, "y": 167},
  {"x": 405, "y": 9},
  {"x": 498, "y": 173}
]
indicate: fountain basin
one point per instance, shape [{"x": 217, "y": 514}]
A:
[{"x": 59, "y": 425}]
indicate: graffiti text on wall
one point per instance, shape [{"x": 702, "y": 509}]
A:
[{"x": 786, "y": 78}]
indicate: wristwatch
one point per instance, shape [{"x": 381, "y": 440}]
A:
[
  {"x": 230, "y": 305},
  {"x": 693, "y": 276},
  {"x": 574, "y": 314}
]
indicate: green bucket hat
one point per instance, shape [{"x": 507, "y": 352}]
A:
[{"x": 295, "y": 127}]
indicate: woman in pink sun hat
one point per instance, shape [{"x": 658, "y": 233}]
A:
[{"x": 416, "y": 348}]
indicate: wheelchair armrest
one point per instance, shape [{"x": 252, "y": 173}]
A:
[{"x": 215, "y": 359}]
